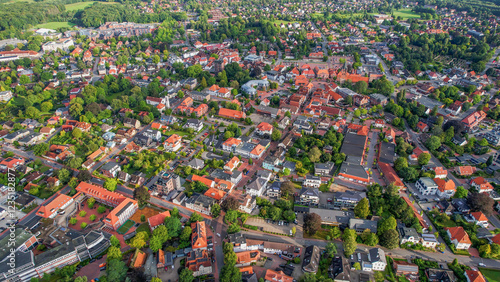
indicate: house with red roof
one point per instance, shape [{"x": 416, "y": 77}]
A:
[
  {"x": 459, "y": 237},
  {"x": 390, "y": 175},
  {"x": 473, "y": 120},
  {"x": 423, "y": 127},
  {"x": 466, "y": 170},
  {"x": 231, "y": 144},
  {"x": 264, "y": 128},
  {"x": 119, "y": 215},
  {"x": 481, "y": 185},
  {"x": 157, "y": 220},
  {"x": 446, "y": 189},
  {"x": 11, "y": 163},
  {"x": 480, "y": 219},
  {"x": 474, "y": 276},
  {"x": 440, "y": 172},
  {"x": 215, "y": 194},
  {"x": 199, "y": 235},
  {"x": 232, "y": 164},
  {"x": 416, "y": 153},
  {"x": 173, "y": 143},
  {"x": 232, "y": 114},
  {"x": 51, "y": 208}
]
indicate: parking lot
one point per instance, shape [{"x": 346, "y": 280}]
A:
[{"x": 269, "y": 226}]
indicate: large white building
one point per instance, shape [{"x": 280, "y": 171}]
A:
[
  {"x": 426, "y": 186},
  {"x": 62, "y": 44}
]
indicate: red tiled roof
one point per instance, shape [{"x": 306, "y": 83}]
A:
[
  {"x": 458, "y": 233},
  {"x": 158, "y": 219},
  {"x": 474, "y": 276}
]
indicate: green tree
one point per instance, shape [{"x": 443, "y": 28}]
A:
[
  {"x": 173, "y": 225},
  {"x": 389, "y": 223},
  {"x": 461, "y": 192},
  {"x": 110, "y": 184},
  {"x": 195, "y": 217},
  {"x": 186, "y": 275},
  {"x": 362, "y": 209},
  {"x": 114, "y": 241},
  {"x": 312, "y": 223},
  {"x": 424, "y": 158},
  {"x": 91, "y": 202},
  {"x": 390, "y": 239},
  {"x": 116, "y": 270},
  {"x": 215, "y": 210},
  {"x": 276, "y": 135},
  {"x": 349, "y": 243},
  {"x": 433, "y": 143},
  {"x": 185, "y": 234},
  {"x": 114, "y": 253},
  {"x": 77, "y": 133},
  {"x": 155, "y": 244},
  {"x": 331, "y": 249},
  {"x": 141, "y": 194}
]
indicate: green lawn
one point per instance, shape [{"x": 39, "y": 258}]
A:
[
  {"x": 78, "y": 6},
  {"x": 180, "y": 133},
  {"x": 55, "y": 25},
  {"x": 490, "y": 274},
  {"x": 406, "y": 14},
  {"x": 83, "y": 5}
]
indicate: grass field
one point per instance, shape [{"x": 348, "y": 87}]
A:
[
  {"x": 406, "y": 14},
  {"x": 55, "y": 25},
  {"x": 78, "y": 6},
  {"x": 83, "y": 5},
  {"x": 490, "y": 274}
]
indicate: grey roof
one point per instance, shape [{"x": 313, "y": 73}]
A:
[
  {"x": 407, "y": 232},
  {"x": 349, "y": 195},
  {"x": 323, "y": 166},
  {"x": 313, "y": 177},
  {"x": 54, "y": 253},
  {"x": 387, "y": 153},
  {"x": 353, "y": 145},
  {"x": 263, "y": 173},
  {"x": 361, "y": 225},
  {"x": 354, "y": 170},
  {"x": 20, "y": 237},
  {"x": 311, "y": 259},
  {"x": 377, "y": 254},
  {"x": 257, "y": 184},
  {"x": 109, "y": 166},
  {"x": 333, "y": 216},
  {"x": 196, "y": 163},
  {"x": 428, "y": 182},
  {"x": 199, "y": 199},
  {"x": 309, "y": 192}
]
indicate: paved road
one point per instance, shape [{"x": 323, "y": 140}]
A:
[
  {"x": 402, "y": 253},
  {"x": 30, "y": 155}
]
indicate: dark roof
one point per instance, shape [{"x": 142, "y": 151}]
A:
[{"x": 311, "y": 259}]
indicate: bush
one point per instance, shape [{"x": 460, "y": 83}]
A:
[
  {"x": 82, "y": 214},
  {"x": 83, "y": 225},
  {"x": 143, "y": 218},
  {"x": 73, "y": 221},
  {"x": 296, "y": 260},
  {"x": 93, "y": 217},
  {"x": 101, "y": 209}
]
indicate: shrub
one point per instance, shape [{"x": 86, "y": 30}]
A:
[
  {"x": 73, "y": 221},
  {"x": 82, "y": 213},
  {"x": 101, "y": 209},
  {"x": 93, "y": 217},
  {"x": 83, "y": 225}
]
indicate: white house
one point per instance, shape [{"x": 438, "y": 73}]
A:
[
  {"x": 312, "y": 181},
  {"x": 459, "y": 237},
  {"x": 426, "y": 186}
]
